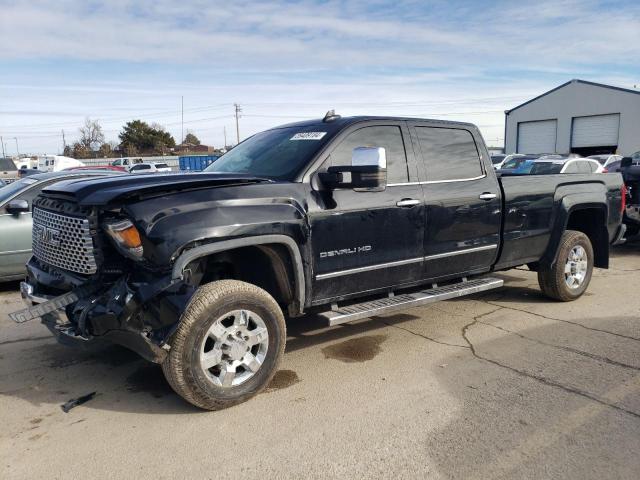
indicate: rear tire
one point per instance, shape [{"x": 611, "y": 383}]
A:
[
  {"x": 571, "y": 273},
  {"x": 228, "y": 346}
]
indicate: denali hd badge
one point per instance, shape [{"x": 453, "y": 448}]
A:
[{"x": 345, "y": 251}]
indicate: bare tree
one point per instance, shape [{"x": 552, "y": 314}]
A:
[{"x": 91, "y": 136}]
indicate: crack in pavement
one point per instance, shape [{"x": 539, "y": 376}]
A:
[
  {"x": 532, "y": 376},
  {"x": 628, "y": 337},
  {"x": 422, "y": 336},
  {"x": 593, "y": 356}
]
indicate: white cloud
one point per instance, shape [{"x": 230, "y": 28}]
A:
[{"x": 136, "y": 58}]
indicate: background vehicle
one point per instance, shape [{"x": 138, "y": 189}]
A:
[
  {"x": 512, "y": 164},
  {"x": 332, "y": 216},
  {"x": 25, "y": 172},
  {"x": 507, "y": 159},
  {"x": 497, "y": 159},
  {"x": 8, "y": 170},
  {"x": 15, "y": 219},
  {"x": 126, "y": 161},
  {"x": 565, "y": 165},
  {"x": 149, "y": 167},
  {"x": 56, "y": 163},
  {"x": 606, "y": 160},
  {"x": 110, "y": 168},
  {"x": 630, "y": 170}
]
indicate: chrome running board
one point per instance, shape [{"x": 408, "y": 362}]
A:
[{"x": 349, "y": 313}]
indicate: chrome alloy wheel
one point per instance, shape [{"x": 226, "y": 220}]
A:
[
  {"x": 234, "y": 348},
  {"x": 575, "y": 270}
]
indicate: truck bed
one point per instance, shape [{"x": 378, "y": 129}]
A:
[{"x": 535, "y": 204}]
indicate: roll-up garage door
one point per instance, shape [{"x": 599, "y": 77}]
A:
[
  {"x": 537, "y": 137},
  {"x": 594, "y": 131}
]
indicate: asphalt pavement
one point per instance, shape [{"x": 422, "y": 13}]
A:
[{"x": 505, "y": 384}]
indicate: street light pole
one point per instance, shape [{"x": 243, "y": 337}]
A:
[
  {"x": 2, "y": 143},
  {"x": 238, "y": 110},
  {"x": 17, "y": 150}
]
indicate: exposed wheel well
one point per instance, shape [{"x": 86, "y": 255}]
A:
[
  {"x": 593, "y": 223},
  {"x": 267, "y": 266}
]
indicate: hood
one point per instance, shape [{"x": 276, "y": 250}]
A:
[{"x": 104, "y": 190}]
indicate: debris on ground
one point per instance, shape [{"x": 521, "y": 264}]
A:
[{"x": 74, "y": 402}]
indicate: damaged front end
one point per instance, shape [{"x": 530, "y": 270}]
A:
[
  {"x": 130, "y": 310},
  {"x": 88, "y": 283}
]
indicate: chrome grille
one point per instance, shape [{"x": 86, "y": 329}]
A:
[{"x": 63, "y": 241}]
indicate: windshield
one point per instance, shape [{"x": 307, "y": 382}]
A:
[
  {"x": 11, "y": 189},
  {"x": 279, "y": 154}
]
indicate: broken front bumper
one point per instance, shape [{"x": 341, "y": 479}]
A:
[{"x": 140, "y": 316}]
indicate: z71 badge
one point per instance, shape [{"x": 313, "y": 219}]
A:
[{"x": 345, "y": 251}]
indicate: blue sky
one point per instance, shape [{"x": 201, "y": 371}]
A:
[{"x": 283, "y": 61}]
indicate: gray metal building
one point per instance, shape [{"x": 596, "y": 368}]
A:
[{"x": 576, "y": 117}]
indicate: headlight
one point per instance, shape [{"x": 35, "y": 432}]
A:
[{"x": 125, "y": 237}]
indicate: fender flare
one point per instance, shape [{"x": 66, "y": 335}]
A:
[
  {"x": 194, "y": 253},
  {"x": 568, "y": 205}
]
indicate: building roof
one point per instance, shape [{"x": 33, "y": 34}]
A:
[{"x": 575, "y": 80}]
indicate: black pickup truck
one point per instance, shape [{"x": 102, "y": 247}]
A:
[{"x": 343, "y": 218}]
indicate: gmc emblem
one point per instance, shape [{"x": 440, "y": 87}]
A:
[{"x": 47, "y": 235}]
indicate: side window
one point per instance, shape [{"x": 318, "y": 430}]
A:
[
  {"x": 510, "y": 164},
  {"x": 449, "y": 153},
  {"x": 584, "y": 167},
  {"x": 572, "y": 168},
  {"x": 388, "y": 137}
]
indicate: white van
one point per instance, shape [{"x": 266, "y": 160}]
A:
[{"x": 56, "y": 163}]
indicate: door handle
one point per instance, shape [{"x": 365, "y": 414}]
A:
[
  {"x": 487, "y": 196},
  {"x": 407, "y": 202}
]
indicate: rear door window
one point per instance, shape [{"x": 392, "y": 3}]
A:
[{"x": 449, "y": 154}]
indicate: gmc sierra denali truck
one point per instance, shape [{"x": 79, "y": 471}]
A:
[{"x": 341, "y": 217}]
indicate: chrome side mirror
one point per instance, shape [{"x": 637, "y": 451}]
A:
[{"x": 368, "y": 171}]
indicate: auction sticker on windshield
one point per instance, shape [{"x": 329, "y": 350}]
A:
[{"x": 308, "y": 136}]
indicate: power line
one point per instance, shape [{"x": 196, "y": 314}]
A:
[{"x": 110, "y": 119}]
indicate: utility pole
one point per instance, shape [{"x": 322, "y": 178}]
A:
[
  {"x": 17, "y": 150},
  {"x": 2, "y": 142},
  {"x": 64, "y": 143},
  {"x": 182, "y": 122},
  {"x": 238, "y": 111},
  {"x": 225, "y": 137}
]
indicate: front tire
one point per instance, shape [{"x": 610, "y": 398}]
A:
[
  {"x": 569, "y": 278},
  {"x": 228, "y": 346}
]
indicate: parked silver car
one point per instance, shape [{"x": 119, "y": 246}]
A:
[{"x": 15, "y": 218}]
